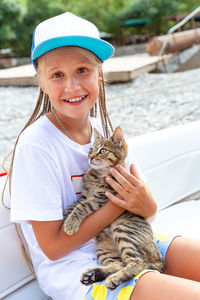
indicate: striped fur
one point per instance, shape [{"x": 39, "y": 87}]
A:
[{"x": 126, "y": 247}]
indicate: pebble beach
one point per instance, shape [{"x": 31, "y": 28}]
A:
[{"x": 151, "y": 102}]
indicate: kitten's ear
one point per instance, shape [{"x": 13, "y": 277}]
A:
[
  {"x": 97, "y": 135},
  {"x": 118, "y": 136}
]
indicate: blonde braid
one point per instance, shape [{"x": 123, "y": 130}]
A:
[
  {"x": 46, "y": 105},
  {"x": 105, "y": 120},
  {"x": 42, "y": 99},
  {"x": 93, "y": 111}
]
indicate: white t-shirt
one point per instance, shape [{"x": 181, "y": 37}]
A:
[{"x": 47, "y": 178}]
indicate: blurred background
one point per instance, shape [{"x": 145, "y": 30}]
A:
[
  {"x": 149, "y": 100},
  {"x": 18, "y": 18}
]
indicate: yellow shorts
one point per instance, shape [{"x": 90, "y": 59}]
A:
[{"x": 98, "y": 290}]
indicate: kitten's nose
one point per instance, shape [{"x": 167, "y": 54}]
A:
[{"x": 91, "y": 157}]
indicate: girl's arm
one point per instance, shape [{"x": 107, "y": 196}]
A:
[{"x": 55, "y": 243}]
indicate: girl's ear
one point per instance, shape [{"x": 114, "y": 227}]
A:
[
  {"x": 118, "y": 136},
  {"x": 41, "y": 83},
  {"x": 100, "y": 76},
  {"x": 97, "y": 135}
]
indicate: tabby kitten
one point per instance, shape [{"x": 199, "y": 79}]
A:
[{"x": 126, "y": 246}]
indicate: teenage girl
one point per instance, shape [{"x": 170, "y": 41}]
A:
[{"x": 50, "y": 159}]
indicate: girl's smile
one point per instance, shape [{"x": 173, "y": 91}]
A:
[{"x": 76, "y": 101}]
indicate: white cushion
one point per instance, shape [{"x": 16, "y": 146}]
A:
[
  {"x": 30, "y": 291},
  {"x": 14, "y": 271},
  {"x": 170, "y": 161},
  {"x": 179, "y": 219}
]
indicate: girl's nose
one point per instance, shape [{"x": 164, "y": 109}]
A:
[{"x": 71, "y": 82}]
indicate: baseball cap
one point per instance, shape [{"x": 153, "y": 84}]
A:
[{"x": 68, "y": 29}]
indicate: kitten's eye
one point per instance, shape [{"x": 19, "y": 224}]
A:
[
  {"x": 103, "y": 150},
  {"x": 90, "y": 151}
]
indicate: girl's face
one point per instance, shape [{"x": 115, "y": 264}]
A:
[{"x": 70, "y": 76}]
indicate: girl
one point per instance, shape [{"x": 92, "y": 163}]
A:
[{"x": 51, "y": 158}]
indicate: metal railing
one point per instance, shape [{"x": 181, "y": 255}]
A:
[{"x": 177, "y": 26}]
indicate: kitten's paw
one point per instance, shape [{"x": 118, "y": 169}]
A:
[
  {"x": 112, "y": 282},
  {"x": 89, "y": 277},
  {"x": 71, "y": 226},
  {"x": 92, "y": 275}
]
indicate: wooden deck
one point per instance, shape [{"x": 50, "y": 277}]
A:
[
  {"x": 127, "y": 68},
  {"x": 117, "y": 69},
  {"x": 19, "y": 76}
]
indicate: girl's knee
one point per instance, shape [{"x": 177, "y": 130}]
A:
[{"x": 144, "y": 285}]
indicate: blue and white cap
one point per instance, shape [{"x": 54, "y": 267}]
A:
[{"x": 69, "y": 30}]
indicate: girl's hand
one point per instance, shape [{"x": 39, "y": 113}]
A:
[{"x": 132, "y": 193}]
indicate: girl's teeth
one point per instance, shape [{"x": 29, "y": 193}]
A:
[{"x": 75, "y": 99}]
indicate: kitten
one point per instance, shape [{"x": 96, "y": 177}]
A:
[{"x": 126, "y": 246}]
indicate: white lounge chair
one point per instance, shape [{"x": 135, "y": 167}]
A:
[{"x": 170, "y": 160}]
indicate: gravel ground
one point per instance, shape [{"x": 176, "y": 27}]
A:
[{"x": 149, "y": 103}]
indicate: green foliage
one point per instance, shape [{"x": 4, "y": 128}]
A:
[
  {"x": 187, "y": 5},
  {"x": 10, "y": 17},
  {"x": 101, "y": 12},
  {"x": 36, "y": 12},
  {"x": 18, "y": 18},
  {"x": 154, "y": 10}
]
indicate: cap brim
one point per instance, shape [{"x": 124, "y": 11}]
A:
[{"x": 102, "y": 49}]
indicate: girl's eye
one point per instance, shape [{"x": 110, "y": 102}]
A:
[
  {"x": 103, "y": 150},
  {"x": 82, "y": 70},
  {"x": 57, "y": 75}
]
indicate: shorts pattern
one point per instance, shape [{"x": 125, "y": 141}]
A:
[
  {"x": 163, "y": 242},
  {"x": 98, "y": 290}
]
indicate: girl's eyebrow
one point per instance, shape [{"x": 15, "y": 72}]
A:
[
  {"x": 86, "y": 60},
  {"x": 50, "y": 70}
]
